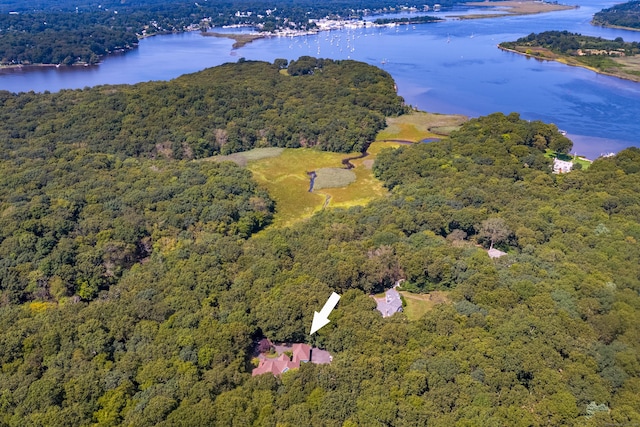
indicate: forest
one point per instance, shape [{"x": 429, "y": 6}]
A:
[
  {"x": 65, "y": 137},
  {"x": 333, "y": 105},
  {"x": 134, "y": 284},
  {"x": 65, "y": 32},
  {"x": 620, "y": 15},
  {"x": 412, "y": 20}
]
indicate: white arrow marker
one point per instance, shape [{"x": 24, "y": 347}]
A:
[{"x": 322, "y": 319}]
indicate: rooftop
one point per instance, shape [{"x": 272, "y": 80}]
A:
[{"x": 390, "y": 304}]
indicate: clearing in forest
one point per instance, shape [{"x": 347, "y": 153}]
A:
[
  {"x": 287, "y": 180},
  {"x": 418, "y": 125},
  {"x": 284, "y": 171},
  {"x": 583, "y": 161},
  {"x": 419, "y": 304}
]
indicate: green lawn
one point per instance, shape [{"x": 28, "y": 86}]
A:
[
  {"x": 566, "y": 157},
  {"x": 419, "y": 304}
]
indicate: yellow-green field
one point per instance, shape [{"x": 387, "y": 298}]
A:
[
  {"x": 283, "y": 172},
  {"x": 286, "y": 179},
  {"x": 419, "y": 304},
  {"x": 417, "y": 126}
]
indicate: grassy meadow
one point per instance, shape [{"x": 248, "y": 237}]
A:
[
  {"x": 567, "y": 157},
  {"x": 419, "y": 304},
  {"x": 285, "y": 177},
  {"x": 283, "y": 172},
  {"x": 418, "y": 125}
]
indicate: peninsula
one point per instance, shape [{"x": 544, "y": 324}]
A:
[
  {"x": 511, "y": 8},
  {"x": 625, "y": 15},
  {"x": 611, "y": 57}
]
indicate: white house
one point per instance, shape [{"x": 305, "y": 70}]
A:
[{"x": 560, "y": 166}]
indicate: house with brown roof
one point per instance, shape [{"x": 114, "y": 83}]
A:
[
  {"x": 275, "y": 366},
  {"x": 301, "y": 353}
]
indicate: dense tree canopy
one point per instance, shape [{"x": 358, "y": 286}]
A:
[
  {"x": 133, "y": 289},
  {"x": 225, "y": 109},
  {"x": 621, "y": 15}
]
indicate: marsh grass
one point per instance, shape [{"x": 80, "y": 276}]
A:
[
  {"x": 243, "y": 158},
  {"x": 419, "y": 125},
  {"x": 283, "y": 172},
  {"x": 333, "y": 178},
  {"x": 444, "y": 130}
]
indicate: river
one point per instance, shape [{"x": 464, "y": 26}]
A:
[{"x": 448, "y": 67}]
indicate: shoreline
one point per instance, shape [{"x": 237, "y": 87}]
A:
[
  {"x": 240, "y": 39},
  {"x": 19, "y": 66},
  {"x": 514, "y": 8},
  {"x": 618, "y": 27},
  {"x": 511, "y": 8},
  {"x": 573, "y": 63}
]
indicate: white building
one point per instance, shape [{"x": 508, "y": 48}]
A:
[{"x": 560, "y": 166}]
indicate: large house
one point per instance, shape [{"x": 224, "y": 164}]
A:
[
  {"x": 560, "y": 166},
  {"x": 300, "y": 353},
  {"x": 276, "y": 366},
  {"x": 390, "y": 304}
]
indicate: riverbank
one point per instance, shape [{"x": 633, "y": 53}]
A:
[
  {"x": 618, "y": 27},
  {"x": 627, "y": 68},
  {"x": 510, "y": 8},
  {"x": 514, "y": 8},
  {"x": 27, "y": 66}
]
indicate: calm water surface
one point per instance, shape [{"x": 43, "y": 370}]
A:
[{"x": 448, "y": 67}]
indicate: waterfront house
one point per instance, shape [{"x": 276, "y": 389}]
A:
[{"x": 560, "y": 166}]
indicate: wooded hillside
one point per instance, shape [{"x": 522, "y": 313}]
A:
[
  {"x": 179, "y": 287},
  {"x": 332, "y": 105},
  {"x": 622, "y": 15}
]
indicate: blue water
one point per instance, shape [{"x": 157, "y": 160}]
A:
[{"x": 447, "y": 67}]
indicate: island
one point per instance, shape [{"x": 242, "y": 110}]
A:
[
  {"x": 611, "y": 57},
  {"x": 625, "y": 15}
]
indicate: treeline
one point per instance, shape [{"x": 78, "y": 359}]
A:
[
  {"x": 340, "y": 106},
  {"x": 547, "y": 335},
  {"x": 412, "y": 20},
  {"x": 567, "y": 43},
  {"x": 65, "y": 47},
  {"x": 620, "y": 15}
]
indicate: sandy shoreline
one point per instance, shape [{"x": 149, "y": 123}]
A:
[
  {"x": 19, "y": 66},
  {"x": 514, "y": 8},
  {"x": 240, "y": 39}
]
